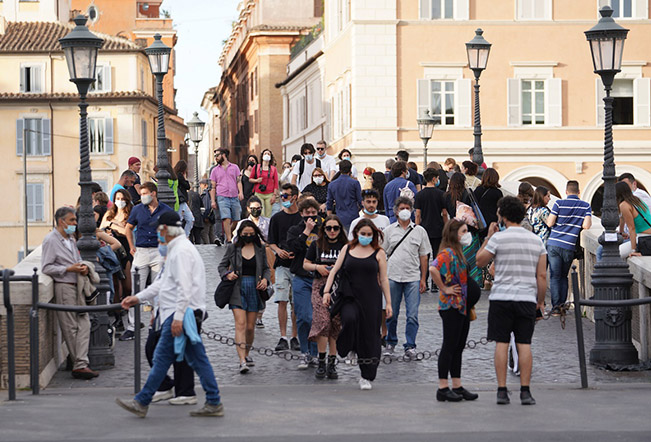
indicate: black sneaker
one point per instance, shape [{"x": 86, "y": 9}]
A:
[
  {"x": 526, "y": 398},
  {"x": 295, "y": 346},
  {"x": 128, "y": 335},
  {"x": 283, "y": 345},
  {"x": 503, "y": 397},
  {"x": 447, "y": 395}
]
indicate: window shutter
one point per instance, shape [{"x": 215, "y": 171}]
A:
[
  {"x": 46, "y": 137},
  {"x": 423, "y": 97},
  {"x": 462, "y": 10},
  {"x": 600, "y": 94},
  {"x": 463, "y": 105},
  {"x": 37, "y": 202},
  {"x": 641, "y": 9},
  {"x": 107, "y": 78},
  {"x": 425, "y": 10},
  {"x": 602, "y": 3},
  {"x": 108, "y": 136},
  {"x": 554, "y": 102},
  {"x": 548, "y": 10},
  {"x": 642, "y": 100},
  {"x": 23, "y": 79},
  {"x": 20, "y": 126},
  {"x": 35, "y": 74},
  {"x": 30, "y": 201},
  {"x": 143, "y": 130},
  {"x": 514, "y": 113}
]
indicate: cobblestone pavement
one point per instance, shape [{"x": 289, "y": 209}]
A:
[{"x": 554, "y": 348}]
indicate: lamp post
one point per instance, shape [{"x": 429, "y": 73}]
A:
[
  {"x": 611, "y": 278},
  {"x": 159, "y": 61},
  {"x": 425, "y": 128},
  {"x": 80, "y": 47},
  {"x": 195, "y": 127},
  {"x": 478, "y": 49}
]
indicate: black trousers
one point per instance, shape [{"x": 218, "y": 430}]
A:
[
  {"x": 362, "y": 338},
  {"x": 183, "y": 382},
  {"x": 455, "y": 333},
  {"x": 196, "y": 235}
]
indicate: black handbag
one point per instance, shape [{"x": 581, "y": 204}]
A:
[
  {"x": 224, "y": 291},
  {"x": 266, "y": 295},
  {"x": 643, "y": 242}
]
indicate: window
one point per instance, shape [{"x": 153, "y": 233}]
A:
[
  {"x": 34, "y": 135},
  {"x": 442, "y": 101},
  {"x": 143, "y": 131},
  {"x": 343, "y": 13},
  {"x": 622, "y": 94},
  {"x": 103, "y": 79},
  {"x": 35, "y": 204},
  {"x": 631, "y": 101},
  {"x": 103, "y": 183},
  {"x": 534, "y": 102},
  {"x": 447, "y": 100},
  {"x": 100, "y": 131},
  {"x": 636, "y": 9},
  {"x": 31, "y": 78},
  {"x": 92, "y": 13},
  {"x": 534, "y": 9},
  {"x": 444, "y": 9}
]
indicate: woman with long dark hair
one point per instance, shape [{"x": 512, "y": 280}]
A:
[
  {"x": 114, "y": 223},
  {"x": 379, "y": 182},
  {"x": 264, "y": 176},
  {"x": 245, "y": 262},
  {"x": 363, "y": 280},
  {"x": 538, "y": 212},
  {"x": 635, "y": 215},
  {"x": 247, "y": 185},
  {"x": 181, "y": 171},
  {"x": 321, "y": 256},
  {"x": 487, "y": 195},
  {"x": 449, "y": 272}
]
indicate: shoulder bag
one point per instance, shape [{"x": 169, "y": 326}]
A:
[
  {"x": 481, "y": 221},
  {"x": 644, "y": 242},
  {"x": 400, "y": 242},
  {"x": 224, "y": 291}
]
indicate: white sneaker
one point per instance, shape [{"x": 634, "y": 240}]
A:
[
  {"x": 183, "y": 400},
  {"x": 244, "y": 369},
  {"x": 350, "y": 357},
  {"x": 365, "y": 384},
  {"x": 162, "y": 395},
  {"x": 305, "y": 362}
]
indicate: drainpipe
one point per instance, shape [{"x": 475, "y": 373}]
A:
[{"x": 52, "y": 131}]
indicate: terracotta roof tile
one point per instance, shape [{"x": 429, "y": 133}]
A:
[{"x": 44, "y": 37}]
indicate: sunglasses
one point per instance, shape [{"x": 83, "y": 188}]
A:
[
  {"x": 285, "y": 196},
  {"x": 332, "y": 228},
  {"x": 320, "y": 148}
]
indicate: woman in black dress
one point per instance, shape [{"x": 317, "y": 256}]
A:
[
  {"x": 487, "y": 195},
  {"x": 364, "y": 274},
  {"x": 247, "y": 186}
]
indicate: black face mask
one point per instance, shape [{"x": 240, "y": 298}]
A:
[
  {"x": 256, "y": 212},
  {"x": 314, "y": 218},
  {"x": 248, "y": 239},
  {"x": 251, "y": 163}
]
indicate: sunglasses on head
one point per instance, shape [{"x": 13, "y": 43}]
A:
[{"x": 332, "y": 228}]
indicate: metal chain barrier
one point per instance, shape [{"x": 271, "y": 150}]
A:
[
  {"x": 562, "y": 313},
  {"x": 289, "y": 356}
]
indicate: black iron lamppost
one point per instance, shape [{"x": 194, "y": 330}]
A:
[
  {"x": 159, "y": 62},
  {"x": 611, "y": 278},
  {"x": 80, "y": 47},
  {"x": 478, "y": 50},
  {"x": 195, "y": 127},
  {"x": 425, "y": 129}
]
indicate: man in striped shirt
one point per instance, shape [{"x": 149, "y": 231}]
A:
[{"x": 568, "y": 217}]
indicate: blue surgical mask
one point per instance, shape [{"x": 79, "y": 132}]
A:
[
  {"x": 370, "y": 213},
  {"x": 437, "y": 183},
  {"x": 308, "y": 157},
  {"x": 70, "y": 229},
  {"x": 287, "y": 204},
  {"x": 162, "y": 249},
  {"x": 161, "y": 238},
  {"x": 365, "y": 240}
]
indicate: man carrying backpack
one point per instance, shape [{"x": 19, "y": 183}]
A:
[
  {"x": 302, "y": 172},
  {"x": 398, "y": 186}
]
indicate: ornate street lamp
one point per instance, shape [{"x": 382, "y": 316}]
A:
[
  {"x": 611, "y": 278},
  {"x": 478, "y": 50},
  {"x": 80, "y": 47},
  {"x": 159, "y": 62},
  {"x": 425, "y": 128},
  {"x": 195, "y": 127}
]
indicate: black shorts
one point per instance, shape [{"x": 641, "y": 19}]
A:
[{"x": 505, "y": 317}]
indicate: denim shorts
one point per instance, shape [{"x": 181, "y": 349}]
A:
[
  {"x": 229, "y": 208},
  {"x": 283, "y": 285}
]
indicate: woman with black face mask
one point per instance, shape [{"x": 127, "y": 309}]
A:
[
  {"x": 245, "y": 262},
  {"x": 247, "y": 185}
]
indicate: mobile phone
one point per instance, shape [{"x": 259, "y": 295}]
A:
[{"x": 539, "y": 314}]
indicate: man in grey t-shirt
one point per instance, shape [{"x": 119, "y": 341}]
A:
[{"x": 520, "y": 262}]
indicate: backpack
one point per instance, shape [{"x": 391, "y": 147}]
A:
[
  {"x": 301, "y": 168},
  {"x": 407, "y": 192}
]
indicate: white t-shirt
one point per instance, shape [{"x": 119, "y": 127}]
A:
[
  {"x": 328, "y": 164},
  {"x": 380, "y": 221},
  {"x": 641, "y": 194},
  {"x": 517, "y": 252},
  {"x": 353, "y": 170},
  {"x": 306, "y": 178}
]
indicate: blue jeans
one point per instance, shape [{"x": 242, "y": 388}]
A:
[
  {"x": 560, "y": 261},
  {"x": 195, "y": 356},
  {"x": 302, "y": 290},
  {"x": 411, "y": 293},
  {"x": 185, "y": 214}
]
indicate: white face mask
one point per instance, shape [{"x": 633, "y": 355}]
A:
[
  {"x": 266, "y": 158},
  {"x": 345, "y": 158},
  {"x": 121, "y": 204},
  {"x": 318, "y": 179},
  {"x": 466, "y": 239},
  {"x": 404, "y": 214},
  {"x": 146, "y": 199}
]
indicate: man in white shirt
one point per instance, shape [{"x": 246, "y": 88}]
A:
[
  {"x": 328, "y": 163},
  {"x": 182, "y": 286},
  {"x": 370, "y": 199},
  {"x": 629, "y": 179},
  {"x": 302, "y": 171}
]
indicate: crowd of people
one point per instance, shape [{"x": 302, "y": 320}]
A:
[{"x": 337, "y": 253}]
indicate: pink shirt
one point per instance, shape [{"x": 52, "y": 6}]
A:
[{"x": 226, "y": 180}]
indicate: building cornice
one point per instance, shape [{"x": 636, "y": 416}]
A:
[{"x": 552, "y": 64}]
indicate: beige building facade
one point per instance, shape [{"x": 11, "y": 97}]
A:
[{"x": 542, "y": 108}]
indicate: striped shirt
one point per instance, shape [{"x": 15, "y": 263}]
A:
[
  {"x": 570, "y": 214},
  {"x": 517, "y": 252}
]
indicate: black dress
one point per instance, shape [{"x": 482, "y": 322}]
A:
[{"x": 361, "y": 312}]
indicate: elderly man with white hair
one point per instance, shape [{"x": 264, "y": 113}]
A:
[{"x": 181, "y": 293}]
